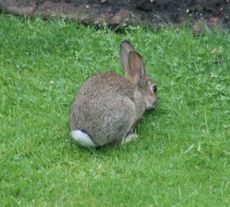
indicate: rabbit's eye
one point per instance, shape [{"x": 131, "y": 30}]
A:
[{"x": 154, "y": 88}]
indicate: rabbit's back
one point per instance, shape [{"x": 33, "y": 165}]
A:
[{"x": 104, "y": 108}]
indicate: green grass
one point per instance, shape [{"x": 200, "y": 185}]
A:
[{"x": 182, "y": 156}]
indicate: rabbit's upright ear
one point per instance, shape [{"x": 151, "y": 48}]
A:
[
  {"x": 125, "y": 48},
  {"x": 136, "y": 66}
]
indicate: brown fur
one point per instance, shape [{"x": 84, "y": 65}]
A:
[{"x": 108, "y": 105}]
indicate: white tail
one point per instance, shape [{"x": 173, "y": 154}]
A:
[{"x": 82, "y": 138}]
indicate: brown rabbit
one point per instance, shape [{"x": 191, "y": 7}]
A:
[{"x": 108, "y": 105}]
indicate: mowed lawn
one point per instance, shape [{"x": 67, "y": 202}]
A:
[{"x": 182, "y": 155}]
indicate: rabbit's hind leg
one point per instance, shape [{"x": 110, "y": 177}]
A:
[{"x": 129, "y": 138}]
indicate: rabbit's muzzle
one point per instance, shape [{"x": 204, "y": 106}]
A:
[{"x": 150, "y": 102}]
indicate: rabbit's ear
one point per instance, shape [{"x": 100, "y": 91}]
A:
[
  {"x": 136, "y": 66},
  {"x": 125, "y": 48}
]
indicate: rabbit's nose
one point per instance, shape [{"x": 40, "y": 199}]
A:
[{"x": 155, "y": 105}]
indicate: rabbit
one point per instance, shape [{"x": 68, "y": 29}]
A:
[{"x": 108, "y": 105}]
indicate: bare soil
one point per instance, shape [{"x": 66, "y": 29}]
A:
[{"x": 154, "y": 13}]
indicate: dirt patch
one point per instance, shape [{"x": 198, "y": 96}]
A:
[{"x": 200, "y": 13}]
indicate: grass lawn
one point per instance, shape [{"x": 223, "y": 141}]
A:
[{"x": 182, "y": 155}]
